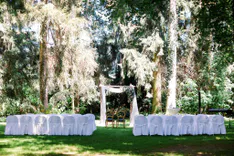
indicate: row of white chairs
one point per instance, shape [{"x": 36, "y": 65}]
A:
[
  {"x": 179, "y": 125},
  {"x": 52, "y": 124}
]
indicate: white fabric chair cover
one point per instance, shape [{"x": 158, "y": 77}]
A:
[
  {"x": 148, "y": 119},
  {"x": 82, "y": 125},
  {"x": 140, "y": 126},
  {"x": 155, "y": 125},
  {"x": 89, "y": 127},
  {"x": 187, "y": 125},
  {"x": 76, "y": 116},
  {"x": 171, "y": 125},
  {"x": 12, "y": 125},
  {"x": 55, "y": 125},
  {"x": 68, "y": 125},
  {"x": 217, "y": 124},
  {"x": 202, "y": 124},
  {"x": 41, "y": 125},
  {"x": 92, "y": 121},
  {"x": 26, "y": 125}
]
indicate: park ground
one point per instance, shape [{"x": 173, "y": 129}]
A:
[{"x": 117, "y": 141}]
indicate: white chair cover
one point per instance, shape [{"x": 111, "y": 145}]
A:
[
  {"x": 82, "y": 125},
  {"x": 187, "y": 125},
  {"x": 92, "y": 121},
  {"x": 155, "y": 125},
  {"x": 140, "y": 126},
  {"x": 171, "y": 125},
  {"x": 41, "y": 125},
  {"x": 76, "y": 116},
  {"x": 202, "y": 124},
  {"x": 26, "y": 125},
  {"x": 12, "y": 125},
  {"x": 55, "y": 125},
  {"x": 68, "y": 125},
  {"x": 90, "y": 127},
  {"x": 217, "y": 124}
]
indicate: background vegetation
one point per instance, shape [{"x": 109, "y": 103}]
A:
[{"x": 55, "y": 54}]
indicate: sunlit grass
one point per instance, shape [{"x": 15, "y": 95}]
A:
[{"x": 117, "y": 141}]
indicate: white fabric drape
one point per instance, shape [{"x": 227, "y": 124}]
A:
[
  {"x": 116, "y": 90},
  {"x": 134, "y": 110}
]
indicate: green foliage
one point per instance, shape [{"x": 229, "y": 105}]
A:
[
  {"x": 216, "y": 18},
  {"x": 19, "y": 65},
  {"x": 145, "y": 107},
  {"x": 2, "y": 119},
  {"x": 82, "y": 108},
  {"x": 19, "y": 72},
  {"x": 139, "y": 66},
  {"x": 15, "y": 5},
  {"x": 188, "y": 99},
  {"x": 188, "y": 102},
  {"x": 9, "y": 106},
  {"x": 60, "y": 102}
]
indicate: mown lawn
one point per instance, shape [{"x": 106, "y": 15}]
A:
[{"x": 117, "y": 141}]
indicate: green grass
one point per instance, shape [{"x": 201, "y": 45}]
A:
[{"x": 117, "y": 141}]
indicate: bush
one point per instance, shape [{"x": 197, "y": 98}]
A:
[
  {"x": 188, "y": 102},
  {"x": 2, "y": 119}
]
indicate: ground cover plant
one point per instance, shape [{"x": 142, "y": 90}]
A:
[{"x": 117, "y": 141}]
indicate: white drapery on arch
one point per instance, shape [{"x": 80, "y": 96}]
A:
[{"x": 116, "y": 89}]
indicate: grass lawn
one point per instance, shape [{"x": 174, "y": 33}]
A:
[{"x": 117, "y": 141}]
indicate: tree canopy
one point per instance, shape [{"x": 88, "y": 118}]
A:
[{"x": 56, "y": 54}]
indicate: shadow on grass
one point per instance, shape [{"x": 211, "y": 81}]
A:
[{"x": 118, "y": 141}]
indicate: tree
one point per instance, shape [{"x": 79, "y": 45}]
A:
[
  {"x": 171, "y": 99},
  {"x": 67, "y": 58},
  {"x": 66, "y": 41},
  {"x": 106, "y": 35},
  {"x": 216, "y": 18},
  {"x": 43, "y": 71},
  {"x": 154, "y": 44},
  {"x": 214, "y": 22},
  {"x": 19, "y": 66}
]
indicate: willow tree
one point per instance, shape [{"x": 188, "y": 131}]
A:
[{"x": 67, "y": 58}]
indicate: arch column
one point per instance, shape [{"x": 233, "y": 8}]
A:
[{"x": 102, "y": 105}]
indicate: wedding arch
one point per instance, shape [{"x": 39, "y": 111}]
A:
[{"x": 117, "y": 89}]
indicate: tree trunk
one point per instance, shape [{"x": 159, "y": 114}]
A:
[
  {"x": 43, "y": 65},
  {"x": 199, "y": 101},
  {"x": 77, "y": 102},
  {"x": 171, "y": 99},
  {"x": 73, "y": 103},
  {"x": 156, "y": 104}
]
